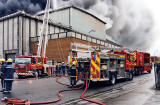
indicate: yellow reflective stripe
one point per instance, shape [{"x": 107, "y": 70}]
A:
[{"x": 98, "y": 79}]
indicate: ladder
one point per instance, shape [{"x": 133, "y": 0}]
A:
[{"x": 43, "y": 39}]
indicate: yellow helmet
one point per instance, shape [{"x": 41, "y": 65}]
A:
[
  {"x": 9, "y": 60},
  {"x": 2, "y": 60}
]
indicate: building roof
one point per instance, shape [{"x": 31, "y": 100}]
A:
[
  {"x": 22, "y": 13},
  {"x": 80, "y": 9}
]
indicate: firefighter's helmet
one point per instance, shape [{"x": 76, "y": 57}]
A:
[
  {"x": 2, "y": 60},
  {"x": 9, "y": 60}
]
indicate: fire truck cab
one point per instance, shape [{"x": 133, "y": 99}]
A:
[{"x": 29, "y": 66}]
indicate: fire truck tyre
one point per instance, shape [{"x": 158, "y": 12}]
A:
[
  {"x": 19, "y": 76},
  {"x": 149, "y": 71},
  {"x": 130, "y": 76},
  {"x": 112, "y": 79},
  {"x": 35, "y": 74},
  {"x": 39, "y": 72}
]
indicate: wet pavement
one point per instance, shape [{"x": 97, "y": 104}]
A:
[
  {"x": 140, "y": 91},
  {"x": 144, "y": 94}
]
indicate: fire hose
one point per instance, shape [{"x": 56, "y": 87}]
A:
[
  {"x": 26, "y": 102},
  {"x": 89, "y": 100}
]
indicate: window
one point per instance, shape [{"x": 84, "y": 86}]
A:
[
  {"x": 33, "y": 60},
  {"x": 22, "y": 60},
  {"x": 39, "y": 60}
]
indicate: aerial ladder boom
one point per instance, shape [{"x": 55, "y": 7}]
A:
[{"x": 43, "y": 40}]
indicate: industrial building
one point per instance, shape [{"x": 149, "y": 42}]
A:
[{"x": 19, "y": 33}]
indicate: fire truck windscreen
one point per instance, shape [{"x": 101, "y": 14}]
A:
[{"x": 23, "y": 60}]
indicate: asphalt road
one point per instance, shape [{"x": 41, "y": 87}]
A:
[{"x": 46, "y": 89}]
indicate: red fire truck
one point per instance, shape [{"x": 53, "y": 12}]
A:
[
  {"x": 129, "y": 59},
  {"x": 102, "y": 66},
  {"x": 147, "y": 62},
  {"x": 139, "y": 67},
  {"x": 31, "y": 66},
  {"x": 137, "y": 61}
]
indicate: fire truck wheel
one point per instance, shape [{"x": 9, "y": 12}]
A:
[
  {"x": 39, "y": 72},
  {"x": 19, "y": 76},
  {"x": 112, "y": 79},
  {"x": 36, "y": 74},
  {"x": 130, "y": 76},
  {"x": 149, "y": 71}
]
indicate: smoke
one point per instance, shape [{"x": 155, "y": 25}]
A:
[
  {"x": 129, "y": 21},
  {"x": 29, "y": 6},
  {"x": 133, "y": 26}
]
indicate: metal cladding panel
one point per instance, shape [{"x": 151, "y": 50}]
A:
[
  {"x": 61, "y": 17},
  {"x": 57, "y": 30},
  {"x": 39, "y": 28},
  {"x": 1, "y": 39},
  {"x": 10, "y": 34},
  {"x": 33, "y": 28},
  {"x": 85, "y": 23},
  {"x": 15, "y": 33},
  {"x": 5, "y": 35},
  {"x": 20, "y": 28},
  {"x": 27, "y": 26},
  {"x": 26, "y": 36},
  {"x": 51, "y": 28}
]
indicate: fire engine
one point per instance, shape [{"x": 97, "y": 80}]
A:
[
  {"x": 36, "y": 65},
  {"x": 147, "y": 62},
  {"x": 102, "y": 66},
  {"x": 30, "y": 66},
  {"x": 130, "y": 60},
  {"x": 137, "y": 61}
]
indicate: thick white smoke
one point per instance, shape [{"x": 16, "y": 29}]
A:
[{"x": 133, "y": 27}]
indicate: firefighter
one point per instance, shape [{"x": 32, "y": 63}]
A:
[
  {"x": 8, "y": 71},
  {"x": 73, "y": 75},
  {"x": 63, "y": 68},
  {"x": 67, "y": 67},
  {"x": 57, "y": 70},
  {"x": 157, "y": 75},
  {"x": 2, "y": 63},
  {"x": 155, "y": 65},
  {"x": 60, "y": 69}
]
